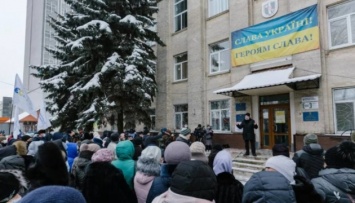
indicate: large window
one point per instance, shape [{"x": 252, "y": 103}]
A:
[
  {"x": 219, "y": 57},
  {"x": 181, "y": 116},
  {"x": 220, "y": 115},
  {"x": 341, "y": 19},
  {"x": 344, "y": 101},
  {"x": 152, "y": 118},
  {"x": 181, "y": 68},
  {"x": 217, "y": 6},
  {"x": 180, "y": 12}
]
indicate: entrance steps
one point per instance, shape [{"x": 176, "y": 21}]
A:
[{"x": 245, "y": 166}]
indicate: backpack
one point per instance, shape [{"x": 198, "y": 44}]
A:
[{"x": 305, "y": 191}]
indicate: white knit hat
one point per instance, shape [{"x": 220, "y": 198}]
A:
[{"x": 283, "y": 165}]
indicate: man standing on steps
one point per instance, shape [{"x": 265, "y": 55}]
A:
[{"x": 248, "y": 125}]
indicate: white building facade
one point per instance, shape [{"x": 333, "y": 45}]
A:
[{"x": 312, "y": 91}]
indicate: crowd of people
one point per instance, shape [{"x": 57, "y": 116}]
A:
[{"x": 164, "y": 168}]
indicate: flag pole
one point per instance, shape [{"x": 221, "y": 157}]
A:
[{"x": 12, "y": 109}]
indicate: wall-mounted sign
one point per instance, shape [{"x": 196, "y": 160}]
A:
[
  {"x": 310, "y": 102},
  {"x": 293, "y": 33},
  {"x": 280, "y": 117},
  {"x": 269, "y": 8},
  {"x": 310, "y": 99},
  {"x": 311, "y": 116},
  {"x": 240, "y": 106},
  {"x": 239, "y": 117}
]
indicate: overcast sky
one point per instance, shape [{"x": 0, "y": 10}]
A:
[{"x": 12, "y": 43}]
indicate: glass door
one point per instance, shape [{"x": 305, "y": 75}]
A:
[{"x": 274, "y": 125}]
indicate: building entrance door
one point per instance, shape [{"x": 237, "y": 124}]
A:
[{"x": 274, "y": 125}]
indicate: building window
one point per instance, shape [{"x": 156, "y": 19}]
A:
[
  {"x": 219, "y": 57},
  {"x": 220, "y": 115},
  {"x": 180, "y": 67},
  {"x": 344, "y": 101},
  {"x": 180, "y": 14},
  {"x": 341, "y": 23},
  {"x": 152, "y": 118},
  {"x": 181, "y": 116},
  {"x": 217, "y": 6}
]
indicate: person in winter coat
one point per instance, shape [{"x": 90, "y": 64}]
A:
[
  {"x": 248, "y": 125},
  {"x": 148, "y": 167},
  {"x": 192, "y": 181},
  {"x": 208, "y": 138},
  {"x": 112, "y": 145},
  {"x": 215, "y": 149},
  {"x": 305, "y": 191},
  {"x": 124, "y": 162},
  {"x": 105, "y": 183},
  {"x": 152, "y": 140},
  {"x": 184, "y": 136},
  {"x": 310, "y": 158},
  {"x": 7, "y": 151},
  {"x": 72, "y": 153},
  {"x": 137, "y": 142},
  {"x": 49, "y": 167},
  {"x": 198, "y": 152},
  {"x": 274, "y": 185},
  {"x": 20, "y": 161},
  {"x": 80, "y": 163},
  {"x": 103, "y": 155},
  {"x": 174, "y": 153},
  {"x": 336, "y": 182},
  {"x": 229, "y": 190},
  {"x": 12, "y": 184}
]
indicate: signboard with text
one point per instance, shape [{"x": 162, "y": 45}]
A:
[{"x": 289, "y": 34}]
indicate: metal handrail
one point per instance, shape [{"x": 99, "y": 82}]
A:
[{"x": 351, "y": 131}]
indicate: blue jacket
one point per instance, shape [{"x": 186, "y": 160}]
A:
[
  {"x": 268, "y": 187},
  {"x": 161, "y": 184},
  {"x": 334, "y": 185}
]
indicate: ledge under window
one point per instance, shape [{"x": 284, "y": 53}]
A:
[
  {"x": 217, "y": 15},
  {"x": 179, "y": 81},
  {"x": 179, "y": 31},
  {"x": 219, "y": 73}
]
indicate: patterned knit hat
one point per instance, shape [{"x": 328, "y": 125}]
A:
[
  {"x": 185, "y": 131},
  {"x": 103, "y": 155},
  {"x": 93, "y": 147}
]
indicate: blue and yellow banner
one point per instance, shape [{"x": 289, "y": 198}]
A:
[{"x": 289, "y": 34}]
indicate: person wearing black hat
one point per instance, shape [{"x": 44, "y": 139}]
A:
[
  {"x": 248, "y": 125},
  {"x": 336, "y": 182}
]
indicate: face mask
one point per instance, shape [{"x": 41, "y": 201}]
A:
[{"x": 247, "y": 117}]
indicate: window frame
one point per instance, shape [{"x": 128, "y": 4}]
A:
[
  {"x": 180, "y": 64},
  {"x": 334, "y": 110},
  {"x": 220, "y": 10},
  {"x": 220, "y": 115},
  {"x": 181, "y": 113},
  {"x": 350, "y": 42},
  {"x": 179, "y": 15},
  {"x": 219, "y": 56}
]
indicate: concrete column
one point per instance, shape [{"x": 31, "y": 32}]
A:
[
  {"x": 293, "y": 118},
  {"x": 255, "y": 116}
]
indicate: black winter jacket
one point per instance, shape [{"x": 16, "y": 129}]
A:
[
  {"x": 305, "y": 191},
  {"x": 162, "y": 183},
  {"x": 7, "y": 151},
  {"x": 229, "y": 189},
  {"x": 310, "y": 158},
  {"x": 17, "y": 162},
  {"x": 183, "y": 140},
  {"x": 270, "y": 187},
  {"x": 248, "y": 129},
  {"x": 152, "y": 140},
  {"x": 334, "y": 185}
]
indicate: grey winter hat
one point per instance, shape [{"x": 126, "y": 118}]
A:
[
  {"x": 310, "y": 138},
  {"x": 185, "y": 131}
]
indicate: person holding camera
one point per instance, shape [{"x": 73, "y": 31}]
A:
[{"x": 248, "y": 125}]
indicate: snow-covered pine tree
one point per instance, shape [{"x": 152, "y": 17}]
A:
[{"x": 107, "y": 64}]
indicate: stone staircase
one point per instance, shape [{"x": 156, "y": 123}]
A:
[{"x": 245, "y": 166}]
